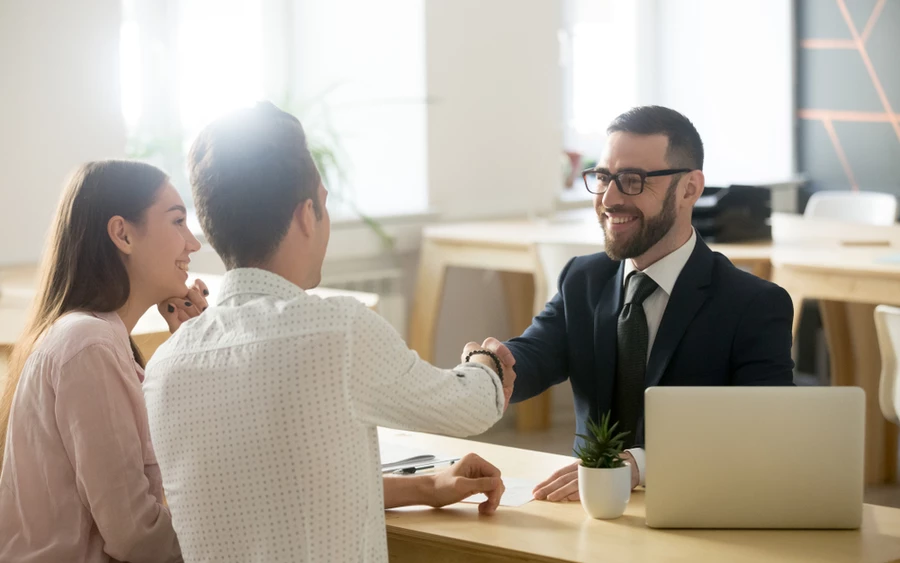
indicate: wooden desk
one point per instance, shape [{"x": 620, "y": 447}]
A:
[
  {"x": 508, "y": 247},
  {"x": 850, "y": 282},
  {"x": 17, "y": 288},
  {"x": 549, "y": 532}
]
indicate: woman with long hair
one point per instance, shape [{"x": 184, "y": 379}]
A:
[{"x": 79, "y": 480}]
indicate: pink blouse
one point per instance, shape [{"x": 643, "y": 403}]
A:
[{"x": 80, "y": 482}]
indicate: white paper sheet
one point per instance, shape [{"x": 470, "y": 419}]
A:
[
  {"x": 518, "y": 492},
  {"x": 394, "y": 456}
]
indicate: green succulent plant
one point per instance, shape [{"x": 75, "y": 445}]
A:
[{"x": 602, "y": 447}]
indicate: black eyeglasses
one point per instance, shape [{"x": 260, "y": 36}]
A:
[{"x": 629, "y": 182}]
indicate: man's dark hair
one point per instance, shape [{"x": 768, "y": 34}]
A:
[
  {"x": 685, "y": 147},
  {"x": 249, "y": 171}
]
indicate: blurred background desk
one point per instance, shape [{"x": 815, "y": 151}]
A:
[{"x": 849, "y": 283}]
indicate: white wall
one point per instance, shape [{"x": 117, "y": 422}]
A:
[
  {"x": 729, "y": 67},
  {"x": 59, "y": 106},
  {"x": 495, "y": 117}
]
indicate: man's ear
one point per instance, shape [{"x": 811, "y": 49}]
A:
[
  {"x": 693, "y": 188},
  {"x": 305, "y": 215},
  {"x": 121, "y": 235}
]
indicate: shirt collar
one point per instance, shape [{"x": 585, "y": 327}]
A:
[
  {"x": 666, "y": 270},
  {"x": 253, "y": 281},
  {"x": 118, "y": 326},
  {"x": 121, "y": 334}
]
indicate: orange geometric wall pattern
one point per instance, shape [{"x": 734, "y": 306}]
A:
[{"x": 849, "y": 91}]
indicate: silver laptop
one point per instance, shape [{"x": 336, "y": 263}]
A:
[{"x": 754, "y": 457}]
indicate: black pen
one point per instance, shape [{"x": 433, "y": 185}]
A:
[{"x": 411, "y": 470}]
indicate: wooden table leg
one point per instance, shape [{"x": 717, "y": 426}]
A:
[
  {"x": 797, "y": 301},
  {"x": 762, "y": 269},
  {"x": 855, "y": 360},
  {"x": 837, "y": 335},
  {"x": 4, "y": 363},
  {"x": 427, "y": 300},
  {"x": 532, "y": 415}
]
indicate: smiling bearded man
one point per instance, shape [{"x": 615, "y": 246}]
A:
[{"x": 658, "y": 307}]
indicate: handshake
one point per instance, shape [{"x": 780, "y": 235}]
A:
[
  {"x": 562, "y": 486},
  {"x": 507, "y": 362}
]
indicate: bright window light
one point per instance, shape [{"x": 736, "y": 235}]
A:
[
  {"x": 602, "y": 68},
  {"x": 219, "y": 59},
  {"x": 187, "y": 62},
  {"x": 130, "y": 73}
]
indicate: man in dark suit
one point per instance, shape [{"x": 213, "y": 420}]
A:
[{"x": 658, "y": 307}]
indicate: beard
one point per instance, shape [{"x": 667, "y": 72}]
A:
[{"x": 650, "y": 231}]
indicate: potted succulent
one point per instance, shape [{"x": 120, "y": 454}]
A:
[{"x": 604, "y": 480}]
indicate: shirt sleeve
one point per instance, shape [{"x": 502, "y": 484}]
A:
[
  {"x": 541, "y": 353},
  {"x": 391, "y": 386},
  {"x": 640, "y": 458},
  {"x": 98, "y": 418}
]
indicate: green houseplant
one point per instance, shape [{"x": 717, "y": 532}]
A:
[
  {"x": 328, "y": 153},
  {"x": 604, "y": 480}
]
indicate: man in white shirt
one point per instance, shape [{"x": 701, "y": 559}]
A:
[
  {"x": 658, "y": 307},
  {"x": 263, "y": 411}
]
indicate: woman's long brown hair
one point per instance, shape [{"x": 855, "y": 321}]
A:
[{"x": 82, "y": 269}]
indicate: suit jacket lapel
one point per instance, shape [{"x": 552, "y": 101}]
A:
[
  {"x": 606, "y": 318},
  {"x": 688, "y": 295}
]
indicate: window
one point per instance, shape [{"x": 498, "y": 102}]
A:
[
  {"x": 727, "y": 66},
  {"x": 220, "y": 59},
  {"x": 356, "y": 83},
  {"x": 600, "y": 69}
]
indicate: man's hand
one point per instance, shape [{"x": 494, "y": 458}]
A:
[
  {"x": 562, "y": 486},
  {"x": 468, "y": 476},
  {"x": 506, "y": 360},
  {"x": 179, "y": 309},
  {"x": 635, "y": 472}
]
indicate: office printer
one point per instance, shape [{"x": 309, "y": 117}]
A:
[{"x": 733, "y": 214}]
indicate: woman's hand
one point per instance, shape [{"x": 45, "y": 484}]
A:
[{"x": 177, "y": 310}]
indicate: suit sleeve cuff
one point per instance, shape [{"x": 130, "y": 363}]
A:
[{"x": 640, "y": 458}]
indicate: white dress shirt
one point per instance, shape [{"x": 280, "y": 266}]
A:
[
  {"x": 263, "y": 412},
  {"x": 664, "y": 272}
]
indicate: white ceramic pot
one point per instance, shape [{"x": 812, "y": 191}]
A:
[{"x": 604, "y": 492}]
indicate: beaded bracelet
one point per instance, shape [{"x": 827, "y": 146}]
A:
[{"x": 493, "y": 356}]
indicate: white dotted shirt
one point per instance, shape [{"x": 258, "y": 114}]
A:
[{"x": 263, "y": 414}]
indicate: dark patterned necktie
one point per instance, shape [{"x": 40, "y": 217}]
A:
[{"x": 631, "y": 355}]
